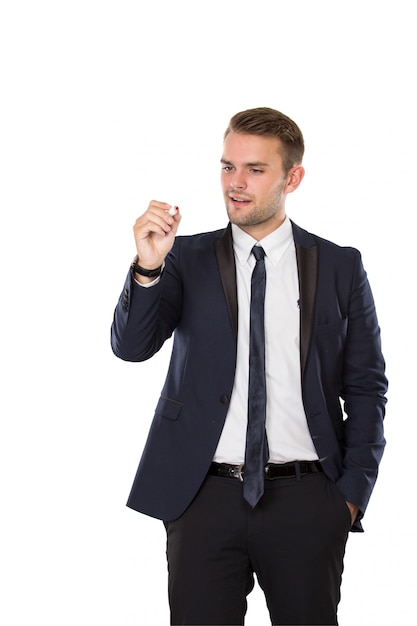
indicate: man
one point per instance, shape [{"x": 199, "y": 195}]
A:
[{"x": 271, "y": 489}]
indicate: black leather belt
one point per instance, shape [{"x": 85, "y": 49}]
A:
[{"x": 272, "y": 470}]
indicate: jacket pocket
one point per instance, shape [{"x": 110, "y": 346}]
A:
[
  {"x": 330, "y": 341},
  {"x": 169, "y": 409}
]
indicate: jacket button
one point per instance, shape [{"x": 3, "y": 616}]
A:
[{"x": 224, "y": 399}]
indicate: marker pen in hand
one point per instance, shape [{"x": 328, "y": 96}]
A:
[{"x": 173, "y": 211}]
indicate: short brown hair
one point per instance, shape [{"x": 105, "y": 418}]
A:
[{"x": 268, "y": 122}]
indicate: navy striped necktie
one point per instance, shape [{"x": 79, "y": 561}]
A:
[{"x": 256, "y": 454}]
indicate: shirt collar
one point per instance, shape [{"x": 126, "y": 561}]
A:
[{"x": 274, "y": 244}]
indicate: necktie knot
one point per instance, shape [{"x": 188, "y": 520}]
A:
[{"x": 258, "y": 252}]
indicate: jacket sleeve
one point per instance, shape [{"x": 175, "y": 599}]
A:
[
  {"x": 145, "y": 318},
  {"x": 363, "y": 391}
]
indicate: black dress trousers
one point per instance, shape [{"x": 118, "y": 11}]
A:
[{"x": 293, "y": 540}]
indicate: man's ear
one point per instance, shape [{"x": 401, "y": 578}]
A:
[{"x": 294, "y": 178}]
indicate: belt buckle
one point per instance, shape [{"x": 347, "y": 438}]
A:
[{"x": 238, "y": 472}]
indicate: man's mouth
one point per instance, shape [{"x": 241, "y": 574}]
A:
[{"x": 238, "y": 200}]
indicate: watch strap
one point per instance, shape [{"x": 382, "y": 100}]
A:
[{"x": 143, "y": 271}]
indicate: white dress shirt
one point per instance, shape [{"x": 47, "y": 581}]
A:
[{"x": 286, "y": 425}]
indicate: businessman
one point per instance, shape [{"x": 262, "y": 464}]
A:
[{"x": 267, "y": 436}]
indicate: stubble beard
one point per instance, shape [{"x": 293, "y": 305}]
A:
[{"x": 258, "y": 214}]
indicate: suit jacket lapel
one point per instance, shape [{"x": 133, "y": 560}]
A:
[
  {"x": 307, "y": 278},
  {"x": 226, "y": 261}
]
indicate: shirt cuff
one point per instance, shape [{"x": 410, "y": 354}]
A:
[{"x": 146, "y": 285}]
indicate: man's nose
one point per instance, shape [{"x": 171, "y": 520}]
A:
[{"x": 238, "y": 181}]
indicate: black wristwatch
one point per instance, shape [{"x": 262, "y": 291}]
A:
[{"x": 144, "y": 272}]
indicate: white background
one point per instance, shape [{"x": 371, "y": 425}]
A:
[{"x": 105, "y": 105}]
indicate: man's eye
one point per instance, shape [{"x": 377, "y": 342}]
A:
[
  {"x": 256, "y": 171},
  {"x": 227, "y": 168}
]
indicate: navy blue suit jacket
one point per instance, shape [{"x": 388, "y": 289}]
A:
[{"x": 340, "y": 359}]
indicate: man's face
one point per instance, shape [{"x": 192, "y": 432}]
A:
[{"x": 253, "y": 182}]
